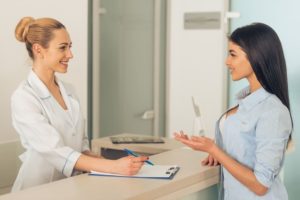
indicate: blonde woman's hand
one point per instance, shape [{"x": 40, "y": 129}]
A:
[{"x": 129, "y": 165}]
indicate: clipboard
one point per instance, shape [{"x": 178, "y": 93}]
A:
[{"x": 147, "y": 171}]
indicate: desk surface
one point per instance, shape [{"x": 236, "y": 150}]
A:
[{"x": 191, "y": 177}]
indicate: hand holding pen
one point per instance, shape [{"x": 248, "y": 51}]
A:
[
  {"x": 136, "y": 155},
  {"x": 128, "y": 165}
]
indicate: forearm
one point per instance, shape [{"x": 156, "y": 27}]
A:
[
  {"x": 240, "y": 172},
  {"x": 88, "y": 163},
  {"x": 92, "y": 154},
  {"x": 128, "y": 165}
]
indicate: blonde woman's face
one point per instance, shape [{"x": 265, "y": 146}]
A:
[
  {"x": 56, "y": 57},
  {"x": 238, "y": 63}
]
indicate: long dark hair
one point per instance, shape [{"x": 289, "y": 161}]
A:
[{"x": 265, "y": 54}]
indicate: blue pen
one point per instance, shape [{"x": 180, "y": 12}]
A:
[{"x": 136, "y": 155}]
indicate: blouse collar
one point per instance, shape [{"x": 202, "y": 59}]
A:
[{"x": 248, "y": 100}]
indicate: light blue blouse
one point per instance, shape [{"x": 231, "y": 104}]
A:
[{"x": 256, "y": 136}]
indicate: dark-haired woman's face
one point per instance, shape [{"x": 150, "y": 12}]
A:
[{"x": 238, "y": 63}]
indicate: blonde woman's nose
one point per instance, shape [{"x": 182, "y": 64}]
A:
[{"x": 69, "y": 54}]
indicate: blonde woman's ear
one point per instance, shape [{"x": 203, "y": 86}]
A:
[{"x": 37, "y": 51}]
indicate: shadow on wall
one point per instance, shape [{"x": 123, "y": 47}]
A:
[
  {"x": 10, "y": 164},
  {"x": 292, "y": 165}
]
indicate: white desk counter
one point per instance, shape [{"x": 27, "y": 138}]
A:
[{"x": 191, "y": 177}]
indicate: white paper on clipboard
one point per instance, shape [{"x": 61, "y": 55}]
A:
[{"x": 147, "y": 171}]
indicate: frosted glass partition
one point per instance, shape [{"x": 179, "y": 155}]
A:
[{"x": 127, "y": 59}]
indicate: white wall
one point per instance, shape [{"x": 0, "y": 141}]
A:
[
  {"x": 14, "y": 62},
  {"x": 195, "y": 67}
]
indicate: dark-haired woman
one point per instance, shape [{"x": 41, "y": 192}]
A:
[{"x": 252, "y": 137}]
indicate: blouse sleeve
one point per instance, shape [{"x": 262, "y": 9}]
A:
[
  {"x": 37, "y": 133},
  {"x": 272, "y": 133}
]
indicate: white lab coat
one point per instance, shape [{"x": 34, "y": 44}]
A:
[{"x": 53, "y": 137}]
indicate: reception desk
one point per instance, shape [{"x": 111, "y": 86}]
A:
[
  {"x": 192, "y": 177},
  {"x": 105, "y": 143}
]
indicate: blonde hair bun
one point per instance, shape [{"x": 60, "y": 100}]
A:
[{"x": 22, "y": 28}]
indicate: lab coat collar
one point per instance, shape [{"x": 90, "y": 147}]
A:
[
  {"x": 38, "y": 86},
  {"x": 66, "y": 94},
  {"x": 42, "y": 91}
]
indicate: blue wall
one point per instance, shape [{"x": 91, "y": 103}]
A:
[{"x": 284, "y": 17}]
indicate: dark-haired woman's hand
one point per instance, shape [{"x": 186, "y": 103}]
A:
[
  {"x": 210, "y": 161},
  {"x": 199, "y": 143}
]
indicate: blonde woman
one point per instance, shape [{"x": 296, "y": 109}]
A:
[{"x": 47, "y": 115}]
